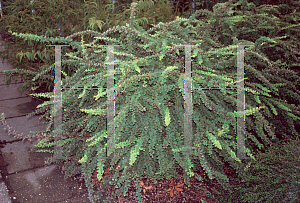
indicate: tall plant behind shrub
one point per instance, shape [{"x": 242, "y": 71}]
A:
[
  {"x": 149, "y": 76},
  {"x": 51, "y": 18}
]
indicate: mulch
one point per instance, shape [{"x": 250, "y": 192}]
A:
[{"x": 174, "y": 190}]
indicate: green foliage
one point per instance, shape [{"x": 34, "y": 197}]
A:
[
  {"x": 272, "y": 177},
  {"x": 30, "y": 57},
  {"x": 149, "y": 95}
]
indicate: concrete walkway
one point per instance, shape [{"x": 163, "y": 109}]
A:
[{"x": 24, "y": 177}]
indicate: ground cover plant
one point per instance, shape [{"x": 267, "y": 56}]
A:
[{"x": 149, "y": 80}]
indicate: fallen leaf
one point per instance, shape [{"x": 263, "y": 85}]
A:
[
  {"x": 172, "y": 193},
  {"x": 144, "y": 187},
  {"x": 148, "y": 188},
  {"x": 179, "y": 185},
  {"x": 179, "y": 189},
  {"x": 106, "y": 172},
  {"x": 173, "y": 183}
]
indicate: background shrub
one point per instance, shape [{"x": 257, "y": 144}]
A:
[{"x": 272, "y": 177}]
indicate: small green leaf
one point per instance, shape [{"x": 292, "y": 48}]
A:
[
  {"x": 199, "y": 178},
  {"x": 83, "y": 159},
  {"x": 145, "y": 84},
  {"x": 94, "y": 111},
  {"x": 161, "y": 56},
  {"x": 220, "y": 132},
  {"x": 28, "y": 55},
  {"x": 233, "y": 155},
  {"x": 167, "y": 117},
  {"x": 225, "y": 127},
  {"x": 100, "y": 94},
  {"x": 47, "y": 56},
  {"x": 195, "y": 52},
  {"x": 39, "y": 54},
  {"x": 214, "y": 140},
  {"x": 135, "y": 151},
  {"x": 21, "y": 58},
  {"x": 169, "y": 69},
  {"x": 136, "y": 67},
  {"x": 100, "y": 166},
  {"x": 83, "y": 93},
  {"x": 200, "y": 59},
  {"x": 145, "y": 19}
]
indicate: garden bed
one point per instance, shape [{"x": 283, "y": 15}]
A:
[{"x": 205, "y": 190}]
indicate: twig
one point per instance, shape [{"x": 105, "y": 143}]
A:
[
  {"x": 176, "y": 10},
  {"x": 221, "y": 17}
]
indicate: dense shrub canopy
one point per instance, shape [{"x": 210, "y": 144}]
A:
[{"x": 272, "y": 177}]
